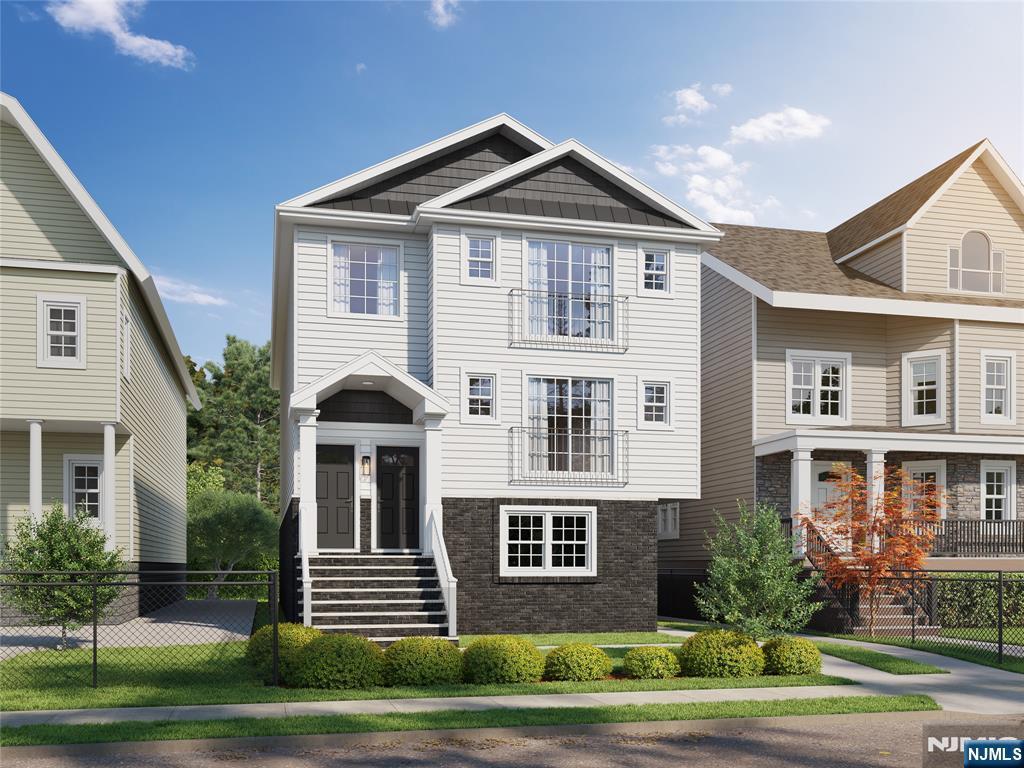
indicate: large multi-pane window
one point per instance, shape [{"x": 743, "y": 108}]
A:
[
  {"x": 569, "y": 290},
  {"x": 61, "y": 321},
  {"x": 570, "y": 425},
  {"x": 998, "y": 488},
  {"x": 365, "y": 279},
  {"x": 818, "y": 386},
  {"x": 924, "y": 381},
  {"x": 997, "y": 371},
  {"x": 975, "y": 266},
  {"x": 548, "y": 541}
]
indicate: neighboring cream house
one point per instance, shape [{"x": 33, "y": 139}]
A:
[
  {"x": 93, "y": 388},
  {"x": 895, "y": 339},
  {"x": 487, "y": 351}
]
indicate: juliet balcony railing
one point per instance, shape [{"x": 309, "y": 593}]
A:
[
  {"x": 551, "y": 320},
  {"x": 555, "y": 457}
]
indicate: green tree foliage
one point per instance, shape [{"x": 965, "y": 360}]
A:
[
  {"x": 753, "y": 581},
  {"x": 58, "y": 542},
  {"x": 226, "y": 528},
  {"x": 237, "y": 428},
  {"x": 202, "y": 477}
]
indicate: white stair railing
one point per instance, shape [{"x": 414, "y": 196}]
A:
[{"x": 444, "y": 571}]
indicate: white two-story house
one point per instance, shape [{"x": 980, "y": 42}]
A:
[
  {"x": 896, "y": 339},
  {"x": 488, "y": 355}
]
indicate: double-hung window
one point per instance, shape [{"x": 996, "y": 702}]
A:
[
  {"x": 570, "y": 426},
  {"x": 569, "y": 290},
  {"x": 924, "y": 387},
  {"x": 998, "y": 371},
  {"x": 668, "y": 521},
  {"x": 481, "y": 258},
  {"x": 926, "y": 482},
  {"x": 998, "y": 490},
  {"x": 83, "y": 486},
  {"x": 655, "y": 405},
  {"x": 975, "y": 266},
  {"x": 365, "y": 279},
  {"x": 818, "y": 387},
  {"x": 548, "y": 541},
  {"x": 480, "y": 397},
  {"x": 61, "y": 331},
  {"x": 654, "y": 276}
]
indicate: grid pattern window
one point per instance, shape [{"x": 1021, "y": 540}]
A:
[
  {"x": 996, "y": 490},
  {"x": 975, "y": 266},
  {"x": 570, "y": 290},
  {"x": 480, "y": 258},
  {"x": 548, "y": 541},
  {"x": 84, "y": 488},
  {"x": 570, "y": 426},
  {"x": 481, "y": 396},
  {"x": 668, "y": 521},
  {"x": 655, "y": 403},
  {"x": 926, "y": 481},
  {"x": 924, "y": 386},
  {"x": 656, "y": 270},
  {"x": 61, "y": 332},
  {"x": 365, "y": 279},
  {"x": 997, "y": 387},
  {"x": 818, "y": 388}
]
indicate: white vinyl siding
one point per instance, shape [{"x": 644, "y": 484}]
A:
[
  {"x": 979, "y": 341},
  {"x": 883, "y": 262}
]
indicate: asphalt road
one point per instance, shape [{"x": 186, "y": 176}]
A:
[{"x": 836, "y": 741}]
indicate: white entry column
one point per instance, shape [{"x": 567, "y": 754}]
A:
[
  {"x": 35, "y": 468},
  {"x": 108, "y": 493},
  {"x": 432, "y": 518},
  {"x": 875, "y": 478},
  {"x": 800, "y": 481},
  {"x": 306, "y": 419}
]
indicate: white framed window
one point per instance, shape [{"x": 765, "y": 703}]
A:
[
  {"x": 998, "y": 387},
  {"x": 479, "y": 397},
  {"x": 998, "y": 490},
  {"x": 668, "y": 521},
  {"x": 654, "y": 276},
  {"x": 548, "y": 541},
  {"x": 926, "y": 477},
  {"x": 60, "y": 326},
  {"x": 126, "y": 346},
  {"x": 975, "y": 266},
  {"x": 569, "y": 426},
  {"x": 83, "y": 487},
  {"x": 817, "y": 387},
  {"x": 924, "y": 387},
  {"x": 480, "y": 251},
  {"x": 654, "y": 399},
  {"x": 365, "y": 278},
  {"x": 569, "y": 290}
]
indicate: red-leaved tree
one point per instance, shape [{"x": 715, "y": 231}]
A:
[{"x": 870, "y": 545}]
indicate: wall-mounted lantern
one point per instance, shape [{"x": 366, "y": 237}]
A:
[{"x": 364, "y": 465}]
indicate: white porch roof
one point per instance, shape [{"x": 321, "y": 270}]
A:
[{"x": 885, "y": 440}]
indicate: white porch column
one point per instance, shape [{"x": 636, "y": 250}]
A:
[
  {"x": 432, "y": 481},
  {"x": 35, "y": 468},
  {"x": 875, "y": 478},
  {"x": 108, "y": 493},
  {"x": 800, "y": 496},
  {"x": 306, "y": 418}
]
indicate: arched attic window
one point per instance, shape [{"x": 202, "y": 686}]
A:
[{"x": 974, "y": 266}]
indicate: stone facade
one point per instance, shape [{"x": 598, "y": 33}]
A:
[{"x": 622, "y": 596}]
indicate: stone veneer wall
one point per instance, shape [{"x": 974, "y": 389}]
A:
[{"x": 623, "y": 595}]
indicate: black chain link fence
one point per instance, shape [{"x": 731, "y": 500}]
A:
[{"x": 128, "y": 627}]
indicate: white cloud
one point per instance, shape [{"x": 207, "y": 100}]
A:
[
  {"x": 183, "y": 292},
  {"x": 360, "y": 68},
  {"x": 443, "y": 13},
  {"x": 111, "y": 17},
  {"x": 790, "y": 123},
  {"x": 688, "y": 103},
  {"x": 25, "y": 14},
  {"x": 721, "y": 89}
]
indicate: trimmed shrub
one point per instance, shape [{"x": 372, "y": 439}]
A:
[
  {"x": 291, "y": 640},
  {"x": 502, "y": 659},
  {"x": 577, "y": 662},
  {"x": 652, "y": 663},
  {"x": 721, "y": 653},
  {"x": 791, "y": 656},
  {"x": 422, "y": 661},
  {"x": 341, "y": 661}
]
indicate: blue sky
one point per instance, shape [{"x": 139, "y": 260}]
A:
[{"x": 188, "y": 121}]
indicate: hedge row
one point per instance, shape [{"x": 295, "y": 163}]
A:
[{"x": 971, "y": 599}]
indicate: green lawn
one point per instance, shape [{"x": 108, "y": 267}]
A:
[
  {"x": 219, "y": 674},
  {"x": 1011, "y": 635},
  {"x": 975, "y": 655},
  {"x": 30, "y": 735},
  {"x": 591, "y": 638},
  {"x": 886, "y": 662}
]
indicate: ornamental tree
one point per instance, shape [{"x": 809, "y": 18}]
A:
[{"x": 226, "y": 528}]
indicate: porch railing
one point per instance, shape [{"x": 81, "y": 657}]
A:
[
  {"x": 556, "y": 320},
  {"x": 448, "y": 582},
  {"x": 567, "y": 457},
  {"x": 976, "y": 538}
]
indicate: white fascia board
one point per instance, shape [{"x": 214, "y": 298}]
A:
[
  {"x": 61, "y": 266},
  {"x": 881, "y": 440},
  {"x": 1003, "y": 173},
  {"x": 398, "y": 162},
  {"x": 13, "y": 113},
  {"x": 983, "y": 147},
  {"x": 868, "y": 246},
  {"x": 589, "y": 158},
  {"x": 741, "y": 279},
  {"x": 334, "y": 217}
]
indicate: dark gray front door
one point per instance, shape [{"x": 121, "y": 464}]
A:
[
  {"x": 335, "y": 509},
  {"x": 398, "y": 498}
]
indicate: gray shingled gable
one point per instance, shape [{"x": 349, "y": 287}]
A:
[{"x": 568, "y": 189}]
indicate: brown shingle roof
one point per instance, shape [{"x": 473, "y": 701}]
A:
[{"x": 892, "y": 211}]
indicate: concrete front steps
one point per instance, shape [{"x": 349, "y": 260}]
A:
[
  {"x": 895, "y": 616},
  {"x": 382, "y": 597}
]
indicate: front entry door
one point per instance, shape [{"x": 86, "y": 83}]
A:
[
  {"x": 335, "y": 508},
  {"x": 398, "y": 498},
  {"x": 823, "y": 486}
]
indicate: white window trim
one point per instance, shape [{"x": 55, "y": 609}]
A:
[
  {"x": 360, "y": 316},
  {"x": 1010, "y": 418},
  {"x": 487, "y": 234},
  {"x": 551, "y": 237},
  {"x": 909, "y": 419},
  {"x": 43, "y": 359},
  {"x": 547, "y": 570},
  {"x": 654, "y": 426},
  {"x": 71, "y": 459},
  {"x": 992, "y": 251},
  {"x": 465, "y": 416},
  {"x": 1010, "y": 467},
  {"x": 670, "y": 514},
  {"x": 939, "y": 467},
  {"x": 669, "y": 252},
  {"x": 846, "y": 417}
]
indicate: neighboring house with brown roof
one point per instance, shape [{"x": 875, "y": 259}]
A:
[{"x": 895, "y": 339}]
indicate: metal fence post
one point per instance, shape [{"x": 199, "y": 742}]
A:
[
  {"x": 913, "y": 607},
  {"x": 272, "y": 604},
  {"x": 999, "y": 614},
  {"x": 95, "y": 621}
]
